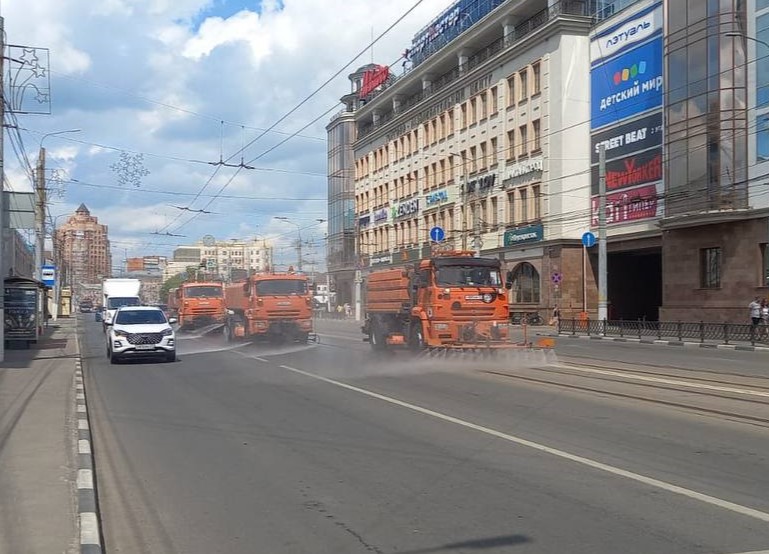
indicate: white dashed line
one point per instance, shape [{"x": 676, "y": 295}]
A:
[{"x": 650, "y": 481}]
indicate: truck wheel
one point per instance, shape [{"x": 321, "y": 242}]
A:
[
  {"x": 417, "y": 339},
  {"x": 227, "y": 330}
]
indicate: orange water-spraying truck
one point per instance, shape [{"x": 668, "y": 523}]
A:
[
  {"x": 197, "y": 304},
  {"x": 273, "y": 306},
  {"x": 452, "y": 300}
]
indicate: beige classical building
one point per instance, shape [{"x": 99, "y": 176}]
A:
[{"x": 82, "y": 245}]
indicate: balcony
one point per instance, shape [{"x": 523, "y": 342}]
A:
[{"x": 539, "y": 20}]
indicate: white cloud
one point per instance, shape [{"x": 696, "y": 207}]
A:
[{"x": 159, "y": 76}]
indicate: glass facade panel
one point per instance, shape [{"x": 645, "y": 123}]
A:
[
  {"x": 706, "y": 118},
  {"x": 762, "y": 62},
  {"x": 341, "y": 199}
]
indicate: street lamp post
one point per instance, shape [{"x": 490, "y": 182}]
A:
[
  {"x": 299, "y": 242},
  {"x": 40, "y": 202}
]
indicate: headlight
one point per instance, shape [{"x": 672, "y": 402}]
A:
[
  {"x": 120, "y": 333},
  {"x": 166, "y": 332}
]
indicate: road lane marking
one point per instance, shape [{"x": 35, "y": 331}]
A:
[
  {"x": 261, "y": 359},
  {"x": 342, "y": 337},
  {"x": 650, "y": 481},
  {"x": 665, "y": 381}
]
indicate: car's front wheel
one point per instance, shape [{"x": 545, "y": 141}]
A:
[
  {"x": 171, "y": 356},
  {"x": 113, "y": 358}
]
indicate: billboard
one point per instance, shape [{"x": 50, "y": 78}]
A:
[
  {"x": 633, "y": 170},
  {"x": 627, "y": 138},
  {"x": 624, "y": 35},
  {"x": 629, "y": 205},
  {"x": 626, "y": 85},
  {"x": 451, "y": 23}
]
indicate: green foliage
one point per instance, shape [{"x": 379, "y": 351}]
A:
[{"x": 172, "y": 283}]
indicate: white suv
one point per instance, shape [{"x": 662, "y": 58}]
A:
[{"x": 141, "y": 331}]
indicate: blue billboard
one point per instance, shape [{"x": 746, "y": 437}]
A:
[
  {"x": 451, "y": 23},
  {"x": 627, "y": 85}
]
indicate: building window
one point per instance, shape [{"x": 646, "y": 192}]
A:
[
  {"x": 523, "y": 138},
  {"x": 463, "y": 116},
  {"x": 762, "y": 138},
  {"x": 524, "y": 195},
  {"x": 473, "y": 159},
  {"x": 765, "y": 265},
  {"x": 710, "y": 268},
  {"x": 493, "y": 148},
  {"x": 536, "y": 78},
  {"x": 511, "y": 91},
  {"x": 493, "y": 100},
  {"x": 524, "y": 88},
  {"x": 483, "y": 158},
  {"x": 483, "y": 215},
  {"x": 511, "y": 207},
  {"x": 492, "y": 217},
  {"x": 536, "y": 195},
  {"x": 484, "y": 106},
  {"x": 473, "y": 111},
  {"x": 511, "y": 144},
  {"x": 525, "y": 279},
  {"x": 450, "y": 123},
  {"x": 535, "y": 140}
]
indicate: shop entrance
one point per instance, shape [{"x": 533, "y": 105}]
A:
[{"x": 635, "y": 284}]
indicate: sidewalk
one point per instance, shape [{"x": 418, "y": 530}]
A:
[{"x": 37, "y": 445}]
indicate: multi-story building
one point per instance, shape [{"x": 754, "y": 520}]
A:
[
  {"x": 487, "y": 137},
  {"x": 154, "y": 265},
  {"x": 341, "y": 253},
  {"x": 626, "y": 80},
  {"x": 715, "y": 226},
  {"x": 221, "y": 258},
  {"x": 82, "y": 245}
]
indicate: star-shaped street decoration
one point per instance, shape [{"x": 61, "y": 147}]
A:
[
  {"x": 41, "y": 97},
  {"x": 29, "y": 57},
  {"x": 38, "y": 71}
]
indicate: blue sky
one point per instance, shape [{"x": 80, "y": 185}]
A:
[{"x": 177, "y": 83}]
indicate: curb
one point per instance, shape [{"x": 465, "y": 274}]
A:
[
  {"x": 679, "y": 344},
  {"x": 87, "y": 505}
]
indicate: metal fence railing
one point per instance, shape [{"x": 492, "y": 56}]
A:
[{"x": 701, "y": 331}]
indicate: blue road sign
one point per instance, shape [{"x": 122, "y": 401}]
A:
[
  {"x": 437, "y": 234},
  {"x": 588, "y": 239}
]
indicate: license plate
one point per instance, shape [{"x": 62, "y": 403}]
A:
[{"x": 145, "y": 347}]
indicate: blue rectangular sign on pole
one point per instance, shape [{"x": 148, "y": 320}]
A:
[
  {"x": 49, "y": 275},
  {"x": 627, "y": 85}
]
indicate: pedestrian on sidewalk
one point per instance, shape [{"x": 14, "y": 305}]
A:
[
  {"x": 764, "y": 335},
  {"x": 556, "y": 316},
  {"x": 755, "y": 312}
]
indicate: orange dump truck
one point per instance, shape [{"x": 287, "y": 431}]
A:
[
  {"x": 198, "y": 304},
  {"x": 452, "y": 300},
  {"x": 275, "y": 306}
]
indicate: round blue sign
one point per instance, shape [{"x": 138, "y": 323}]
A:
[
  {"x": 588, "y": 239},
  {"x": 437, "y": 234}
]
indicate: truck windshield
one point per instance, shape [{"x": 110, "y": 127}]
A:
[
  {"x": 119, "y": 301},
  {"x": 467, "y": 275},
  {"x": 203, "y": 292},
  {"x": 281, "y": 286}
]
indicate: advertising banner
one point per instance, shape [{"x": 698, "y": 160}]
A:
[
  {"x": 622, "y": 36},
  {"x": 456, "y": 19},
  {"x": 630, "y": 171},
  {"x": 627, "y": 85},
  {"x": 628, "y": 138},
  {"x": 629, "y": 205}
]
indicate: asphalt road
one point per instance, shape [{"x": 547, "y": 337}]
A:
[{"x": 324, "y": 448}]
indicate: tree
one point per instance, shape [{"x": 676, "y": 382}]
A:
[{"x": 171, "y": 283}]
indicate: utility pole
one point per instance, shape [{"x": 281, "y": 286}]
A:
[
  {"x": 299, "y": 252},
  {"x": 40, "y": 214},
  {"x": 465, "y": 207},
  {"x": 3, "y": 208},
  {"x": 602, "y": 274}
]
